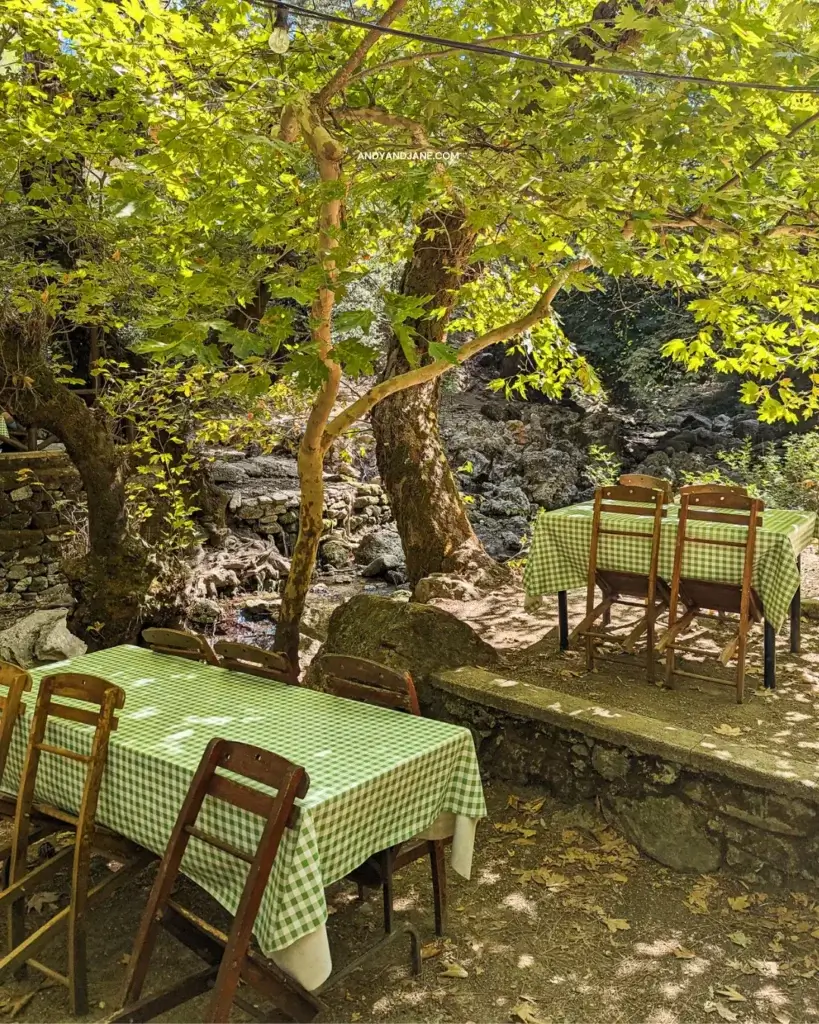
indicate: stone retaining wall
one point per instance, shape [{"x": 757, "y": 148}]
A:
[
  {"x": 41, "y": 512},
  {"x": 687, "y": 799},
  {"x": 263, "y": 495}
]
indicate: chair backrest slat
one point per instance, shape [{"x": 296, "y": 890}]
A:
[
  {"x": 656, "y": 483},
  {"x": 247, "y": 799},
  {"x": 713, "y": 489},
  {"x": 72, "y": 714},
  {"x": 180, "y": 643},
  {"x": 258, "y": 764},
  {"x": 369, "y": 682},
  {"x": 254, "y": 661},
  {"x": 367, "y": 694},
  {"x": 631, "y": 500}
]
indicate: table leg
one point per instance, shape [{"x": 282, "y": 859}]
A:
[
  {"x": 563, "y": 619},
  {"x": 770, "y": 657},
  {"x": 796, "y": 613}
]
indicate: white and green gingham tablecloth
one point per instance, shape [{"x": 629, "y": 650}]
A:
[
  {"x": 377, "y": 777},
  {"x": 559, "y": 555}
]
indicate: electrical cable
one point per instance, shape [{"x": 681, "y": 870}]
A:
[{"x": 559, "y": 65}]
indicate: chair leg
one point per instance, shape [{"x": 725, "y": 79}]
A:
[
  {"x": 160, "y": 893},
  {"x": 741, "y": 665},
  {"x": 437, "y": 863},
  {"x": 362, "y": 893},
  {"x": 77, "y": 961},
  {"x": 387, "y": 890}
]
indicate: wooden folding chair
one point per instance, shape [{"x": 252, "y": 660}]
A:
[
  {"x": 643, "y": 590},
  {"x": 714, "y": 505},
  {"x": 654, "y": 483},
  {"x": 15, "y": 682},
  {"x": 228, "y": 957},
  {"x": 254, "y": 661},
  {"x": 372, "y": 683},
  {"x": 180, "y": 643},
  {"x": 23, "y": 949}
]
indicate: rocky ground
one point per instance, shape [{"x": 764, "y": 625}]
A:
[{"x": 563, "y": 921}]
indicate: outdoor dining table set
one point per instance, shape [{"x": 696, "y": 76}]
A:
[
  {"x": 718, "y": 553},
  {"x": 262, "y": 792}
]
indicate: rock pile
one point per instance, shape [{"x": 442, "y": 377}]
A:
[{"x": 512, "y": 458}]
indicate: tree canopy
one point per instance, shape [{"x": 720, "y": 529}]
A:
[{"x": 169, "y": 180}]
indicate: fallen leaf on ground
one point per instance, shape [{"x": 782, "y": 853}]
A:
[
  {"x": 41, "y": 900},
  {"x": 782, "y": 1018},
  {"x": 616, "y": 924},
  {"x": 727, "y": 730},
  {"x": 431, "y": 949},
  {"x": 681, "y": 953},
  {"x": 453, "y": 971},
  {"x": 732, "y": 994},
  {"x": 525, "y": 1012},
  {"x": 725, "y": 1013},
  {"x": 697, "y": 899},
  {"x": 739, "y": 902},
  {"x": 545, "y": 877},
  {"x": 739, "y": 939}
]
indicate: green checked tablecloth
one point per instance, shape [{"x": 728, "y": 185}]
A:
[
  {"x": 559, "y": 556},
  {"x": 377, "y": 777}
]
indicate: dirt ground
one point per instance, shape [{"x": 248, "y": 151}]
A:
[{"x": 563, "y": 921}]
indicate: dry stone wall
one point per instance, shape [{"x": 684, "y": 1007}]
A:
[
  {"x": 694, "y": 809},
  {"x": 42, "y": 511}
]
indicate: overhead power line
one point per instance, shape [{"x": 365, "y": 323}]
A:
[{"x": 559, "y": 65}]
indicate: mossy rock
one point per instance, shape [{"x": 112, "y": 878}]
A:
[{"x": 416, "y": 637}]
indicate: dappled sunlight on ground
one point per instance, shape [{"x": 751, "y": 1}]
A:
[{"x": 564, "y": 922}]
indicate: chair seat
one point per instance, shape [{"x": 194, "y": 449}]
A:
[{"x": 718, "y": 597}]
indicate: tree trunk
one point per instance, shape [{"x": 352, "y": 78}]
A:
[
  {"x": 431, "y": 519},
  {"x": 294, "y": 595},
  {"x": 112, "y": 580}
]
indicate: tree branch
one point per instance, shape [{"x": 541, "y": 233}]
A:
[
  {"x": 763, "y": 157},
  {"x": 342, "y": 77},
  {"x": 422, "y": 374},
  {"x": 379, "y": 116}
]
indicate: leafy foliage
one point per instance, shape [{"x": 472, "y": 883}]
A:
[
  {"x": 175, "y": 413},
  {"x": 784, "y": 475}
]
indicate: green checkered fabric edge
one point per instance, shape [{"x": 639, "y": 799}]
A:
[
  {"x": 559, "y": 555},
  {"x": 377, "y": 777}
]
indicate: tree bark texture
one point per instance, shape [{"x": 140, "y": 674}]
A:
[
  {"x": 429, "y": 513},
  {"x": 111, "y": 581}
]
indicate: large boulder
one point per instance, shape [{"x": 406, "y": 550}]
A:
[
  {"x": 40, "y": 638},
  {"x": 384, "y": 544},
  {"x": 417, "y": 637}
]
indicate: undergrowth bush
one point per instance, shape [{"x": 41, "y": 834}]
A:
[{"x": 784, "y": 474}]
